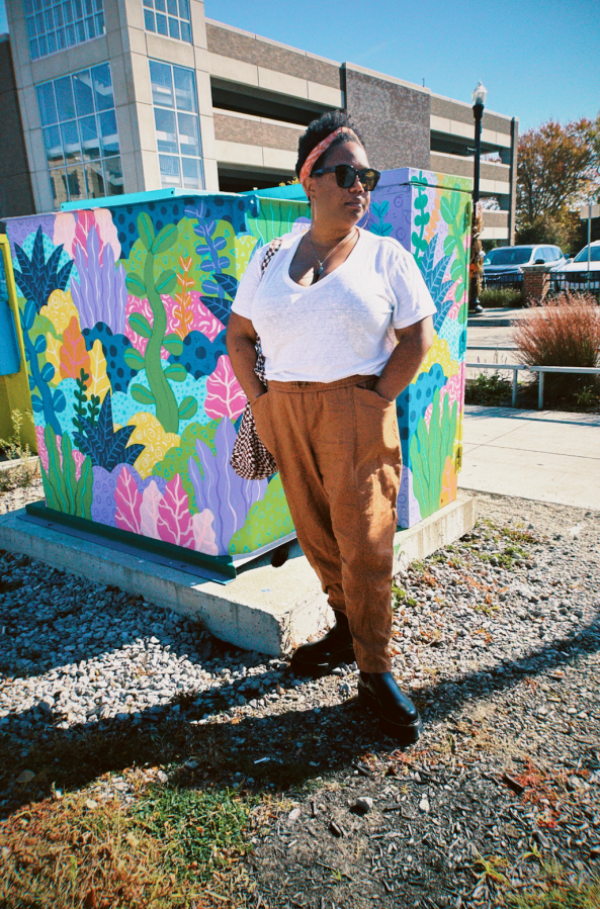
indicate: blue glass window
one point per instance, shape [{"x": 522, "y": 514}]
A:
[
  {"x": 177, "y": 125},
  {"x": 80, "y": 134},
  {"x": 53, "y": 25},
  {"x": 170, "y": 18}
]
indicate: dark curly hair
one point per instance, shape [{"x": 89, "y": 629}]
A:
[{"x": 319, "y": 130}]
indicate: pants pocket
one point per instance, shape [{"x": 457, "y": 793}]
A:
[
  {"x": 376, "y": 425},
  {"x": 261, "y": 413}
]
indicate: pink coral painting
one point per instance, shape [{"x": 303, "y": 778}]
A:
[
  {"x": 224, "y": 395},
  {"x": 174, "y": 521}
]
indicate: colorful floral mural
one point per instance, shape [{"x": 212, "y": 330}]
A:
[
  {"x": 430, "y": 214},
  {"x": 124, "y": 311}
]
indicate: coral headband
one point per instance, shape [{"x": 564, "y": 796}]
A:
[{"x": 319, "y": 149}]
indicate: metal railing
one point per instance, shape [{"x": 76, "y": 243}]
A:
[
  {"x": 556, "y": 281},
  {"x": 541, "y": 370},
  {"x": 574, "y": 281},
  {"x": 510, "y": 281}
]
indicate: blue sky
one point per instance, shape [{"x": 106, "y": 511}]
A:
[{"x": 538, "y": 60}]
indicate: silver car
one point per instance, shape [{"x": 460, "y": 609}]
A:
[
  {"x": 574, "y": 275},
  {"x": 503, "y": 266}
]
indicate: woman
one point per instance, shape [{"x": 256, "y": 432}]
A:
[{"x": 329, "y": 309}]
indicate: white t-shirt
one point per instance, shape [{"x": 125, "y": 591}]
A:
[{"x": 344, "y": 324}]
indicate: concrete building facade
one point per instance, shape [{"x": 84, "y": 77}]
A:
[{"x": 130, "y": 95}]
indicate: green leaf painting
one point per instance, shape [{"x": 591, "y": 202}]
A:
[
  {"x": 454, "y": 210},
  {"x": 142, "y": 395},
  {"x": 421, "y": 220},
  {"x": 429, "y": 448},
  {"x": 146, "y": 230},
  {"x": 64, "y": 492},
  {"x": 140, "y": 324},
  {"x": 135, "y": 286},
  {"x": 165, "y": 239}
]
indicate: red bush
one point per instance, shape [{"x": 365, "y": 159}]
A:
[{"x": 563, "y": 331}]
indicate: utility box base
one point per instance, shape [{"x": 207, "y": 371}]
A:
[{"x": 271, "y": 610}]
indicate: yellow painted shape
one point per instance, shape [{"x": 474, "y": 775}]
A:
[
  {"x": 240, "y": 252},
  {"x": 99, "y": 382},
  {"x": 449, "y": 483},
  {"x": 60, "y": 309},
  {"x": 439, "y": 352},
  {"x": 149, "y": 432},
  {"x": 434, "y": 217}
]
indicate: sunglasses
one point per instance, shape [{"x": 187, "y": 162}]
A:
[{"x": 346, "y": 175}]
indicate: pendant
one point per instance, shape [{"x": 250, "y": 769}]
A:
[{"x": 320, "y": 270}]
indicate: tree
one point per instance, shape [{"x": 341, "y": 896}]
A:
[
  {"x": 556, "y": 174},
  {"x": 553, "y": 169}
]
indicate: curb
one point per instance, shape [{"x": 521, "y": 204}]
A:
[
  {"x": 475, "y": 322},
  {"x": 271, "y": 610}
]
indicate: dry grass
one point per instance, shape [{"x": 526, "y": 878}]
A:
[
  {"x": 557, "y": 888},
  {"x": 563, "y": 331},
  {"x": 76, "y": 853}
]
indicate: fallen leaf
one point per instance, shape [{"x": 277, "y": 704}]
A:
[{"x": 26, "y": 776}]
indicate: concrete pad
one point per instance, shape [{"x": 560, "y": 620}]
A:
[
  {"x": 268, "y": 609},
  {"x": 548, "y": 456}
]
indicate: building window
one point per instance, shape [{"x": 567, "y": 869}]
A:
[
  {"x": 177, "y": 125},
  {"x": 80, "y": 135},
  {"x": 170, "y": 18},
  {"x": 53, "y": 25}
]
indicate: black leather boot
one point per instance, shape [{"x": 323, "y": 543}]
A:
[
  {"x": 399, "y": 717},
  {"x": 322, "y": 656}
]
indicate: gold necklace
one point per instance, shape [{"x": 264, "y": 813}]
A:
[{"x": 322, "y": 262}]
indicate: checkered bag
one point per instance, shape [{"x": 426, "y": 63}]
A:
[{"x": 250, "y": 458}]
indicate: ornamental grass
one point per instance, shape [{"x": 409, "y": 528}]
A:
[{"x": 563, "y": 331}]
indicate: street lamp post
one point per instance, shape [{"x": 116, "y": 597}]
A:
[{"x": 479, "y": 96}]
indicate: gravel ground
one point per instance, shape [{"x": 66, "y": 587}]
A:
[{"x": 497, "y": 638}]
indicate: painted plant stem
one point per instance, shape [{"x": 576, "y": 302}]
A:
[
  {"x": 166, "y": 404},
  {"x": 42, "y": 386},
  {"x": 160, "y": 393}
]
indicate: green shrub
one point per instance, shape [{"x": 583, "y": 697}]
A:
[
  {"x": 496, "y": 297},
  {"x": 488, "y": 389},
  {"x": 25, "y": 470}
]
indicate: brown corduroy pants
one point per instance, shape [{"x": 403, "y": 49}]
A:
[{"x": 338, "y": 452}]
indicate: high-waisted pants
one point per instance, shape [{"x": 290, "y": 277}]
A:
[{"x": 337, "y": 448}]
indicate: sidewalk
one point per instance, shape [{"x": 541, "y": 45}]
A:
[
  {"x": 544, "y": 455},
  {"x": 500, "y": 317}
]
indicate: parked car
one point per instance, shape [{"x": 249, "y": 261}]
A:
[
  {"x": 503, "y": 266},
  {"x": 574, "y": 275}
]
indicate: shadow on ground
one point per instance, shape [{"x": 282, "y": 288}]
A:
[{"x": 291, "y": 747}]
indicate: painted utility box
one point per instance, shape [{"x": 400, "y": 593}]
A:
[
  {"x": 14, "y": 388},
  {"x": 124, "y": 309},
  {"x": 430, "y": 215}
]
